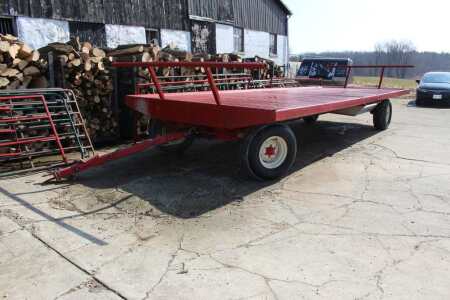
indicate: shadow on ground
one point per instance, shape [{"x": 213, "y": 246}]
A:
[{"x": 207, "y": 176}]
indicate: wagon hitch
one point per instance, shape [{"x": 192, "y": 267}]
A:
[{"x": 100, "y": 160}]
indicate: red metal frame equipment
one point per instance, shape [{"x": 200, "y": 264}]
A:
[
  {"x": 7, "y": 105},
  {"x": 258, "y": 117}
]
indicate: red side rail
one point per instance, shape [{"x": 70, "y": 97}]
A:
[
  {"x": 46, "y": 115},
  {"x": 141, "y": 86},
  {"x": 207, "y": 65},
  {"x": 381, "y": 67}
]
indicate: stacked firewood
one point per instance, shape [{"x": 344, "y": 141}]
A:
[
  {"x": 86, "y": 71},
  {"x": 20, "y": 66},
  {"x": 271, "y": 69}
]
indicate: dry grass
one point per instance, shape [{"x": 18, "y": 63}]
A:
[{"x": 388, "y": 82}]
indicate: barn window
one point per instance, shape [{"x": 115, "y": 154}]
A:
[
  {"x": 153, "y": 36},
  {"x": 7, "y": 25},
  {"x": 273, "y": 44},
  {"x": 238, "y": 40}
]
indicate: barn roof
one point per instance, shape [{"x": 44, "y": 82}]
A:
[{"x": 284, "y": 6}]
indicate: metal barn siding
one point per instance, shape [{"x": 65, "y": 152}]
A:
[
  {"x": 215, "y": 10},
  {"x": 7, "y": 25},
  {"x": 94, "y": 32},
  {"x": 170, "y": 14},
  {"x": 261, "y": 15}
]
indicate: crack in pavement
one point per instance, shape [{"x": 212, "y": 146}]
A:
[
  {"x": 166, "y": 271},
  {"x": 397, "y": 156}
]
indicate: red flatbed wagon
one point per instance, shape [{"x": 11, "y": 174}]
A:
[
  {"x": 247, "y": 108},
  {"x": 258, "y": 117}
]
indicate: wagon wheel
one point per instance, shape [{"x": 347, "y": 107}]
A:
[
  {"x": 311, "y": 119},
  {"x": 157, "y": 128},
  {"x": 269, "y": 153},
  {"x": 382, "y": 115}
]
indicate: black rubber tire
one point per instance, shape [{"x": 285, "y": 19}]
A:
[
  {"x": 420, "y": 102},
  {"x": 382, "y": 115},
  {"x": 311, "y": 119},
  {"x": 252, "y": 144},
  {"x": 157, "y": 129}
]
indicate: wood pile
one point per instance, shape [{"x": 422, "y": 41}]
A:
[
  {"x": 20, "y": 66},
  {"x": 85, "y": 70},
  {"x": 272, "y": 69}
]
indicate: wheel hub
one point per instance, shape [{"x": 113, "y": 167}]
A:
[{"x": 273, "y": 152}]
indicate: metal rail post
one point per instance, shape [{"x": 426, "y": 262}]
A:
[
  {"x": 155, "y": 80},
  {"x": 381, "y": 78},
  {"x": 213, "y": 85}
]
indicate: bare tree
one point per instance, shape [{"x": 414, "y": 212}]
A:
[{"x": 395, "y": 52}]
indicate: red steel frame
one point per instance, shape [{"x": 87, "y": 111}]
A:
[
  {"x": 207, "y": 65},
  {"x": 160, "y": 140},
  {"x": 141, "y": 86},
  {"x": 382, "y": 67},
  {"x": 46, "y": 116},
  {"x": 99, "y": 160}
]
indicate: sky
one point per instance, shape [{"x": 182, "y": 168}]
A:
[{"x": 357, "y": 25}]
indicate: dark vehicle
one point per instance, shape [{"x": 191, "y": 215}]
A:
[{"x": 434, "y": 88}]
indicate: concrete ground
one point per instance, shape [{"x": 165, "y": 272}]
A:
[{"x": 364, "y": 215}]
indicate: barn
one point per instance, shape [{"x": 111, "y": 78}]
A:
[{"x": 247, "y": 27}]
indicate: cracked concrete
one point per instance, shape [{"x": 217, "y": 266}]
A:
[{"x": 363, "y": 215}]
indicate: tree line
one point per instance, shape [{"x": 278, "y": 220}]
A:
[{"x": 391, "y": 52}]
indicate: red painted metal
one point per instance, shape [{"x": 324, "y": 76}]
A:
[
  {"x": 6, "y": 131},
  {"x": 213, "y": 86},
  {"x": 381, "y": 78},
  {"x": 55, "y": 132},
  {"x": 100, "y": 160},
  {"x": 24, "y": 118},
  {"x": 155, "y": 80},
  {"x": 382, "y": 67},
  {"x": 46, "y": 116},
  {"x": 26, "y": 141},
  {"x": 247, "y": 108},
  {"x": 207, "y": 65},
  {"x": 144, "y": 85}
]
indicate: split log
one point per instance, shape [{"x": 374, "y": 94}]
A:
[
  {"x": 31, "y": 71},
  {"x": 58, "y": 48},
  {"x": 135, "y": 50},
  {"x": 34, "y": 57},
  {"x": 14, "y": 50},
  {"x": 19, "y": 63},
  {"x": 86, "y": 47},
  {"x": 25, "y": 51},
  {"x": 22, "y": 64},
  {"x": 10, "y": 72},
  {"x": 9, "y": 38},
  {"x": 97, "y": 52},
  {"x": 4, "y": 82},
  {"x": 4, "y": 46}
]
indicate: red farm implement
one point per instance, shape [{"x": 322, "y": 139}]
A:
[
  {"x": 258, "y": 117},
  {"x": 37, "y": 124}
]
